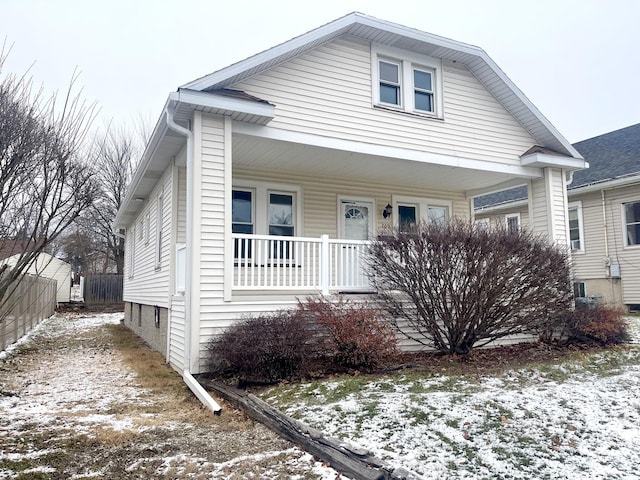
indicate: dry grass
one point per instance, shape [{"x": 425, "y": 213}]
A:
[{"x": 162, "y": 432}]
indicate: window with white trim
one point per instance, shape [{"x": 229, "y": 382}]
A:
[
  {"x": 389, "y": 81},
  {"x": 131, "y": 247},
  {"x": 408, "y": 216},
  {"x": 512, "y": 222},
  {"x": 579, "y": 290},
  {"x": 576, "y": 234},
  {"x": 423, "y": 90},
  {"x": 631, "y": 215},
  {"x": 264, "y": 209},
  {"x": 410, "y": 210},
  {"x": 406, "y": 81},
  {"x": 483, "y": 223},
  {"x": 147, "y": 228},
  {"x": 159, "y": 228}
]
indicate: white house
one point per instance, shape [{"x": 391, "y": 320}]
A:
[
  {"x": 263, "y": 181},
  {"x": 48, "y": 266},
  {"x": 604, "y": 218}
]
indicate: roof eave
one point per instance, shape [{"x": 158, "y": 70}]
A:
[
  {"x": 244, "y": 110},
  {"x": 474, "y": 58},
  {"x": 543, "y": 160}
]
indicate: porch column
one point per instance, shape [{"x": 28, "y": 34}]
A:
[{"x": 548, "y": 203}]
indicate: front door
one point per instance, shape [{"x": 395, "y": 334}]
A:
[{"x": 356, "y": 220}]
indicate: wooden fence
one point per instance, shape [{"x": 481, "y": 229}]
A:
[
  {"x": 102, "y": 289},
  {"x": 28, "y": 301}
]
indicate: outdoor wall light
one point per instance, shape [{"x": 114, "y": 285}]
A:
[{"x": 387, "y": 211}]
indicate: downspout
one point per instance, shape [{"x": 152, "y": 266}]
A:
[{"x": 191, "y": 382}]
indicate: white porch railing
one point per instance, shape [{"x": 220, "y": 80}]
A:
[{"x": 266, "y": 262}]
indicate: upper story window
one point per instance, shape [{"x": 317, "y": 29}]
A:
[
  {"x": 389, "y": 82},
  {"x": 406, "y": 81},
  {"x": 631, "y": 214},
  {"x": 423, "y": 90},
  {"x": 576, "y": 234}
]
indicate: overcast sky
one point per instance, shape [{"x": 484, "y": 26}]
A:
[{"x": 577, "y": 61}]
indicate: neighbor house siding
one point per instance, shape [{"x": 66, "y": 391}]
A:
[
  {"x": 498, "y": 217},
  {"x": 149, "y": 284},
  {"x": 328, "y": 92},
  {"x": 627, "y": 257},
  {"x": 590, "y": 264},
  {"x": 47, "y": 266}
]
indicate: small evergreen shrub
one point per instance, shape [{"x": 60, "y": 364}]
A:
[
  {"x": 266, "y": 348},
  {"x": 356, "y": 336}
]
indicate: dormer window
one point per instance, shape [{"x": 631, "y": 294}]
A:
[
  {"x": 406, "y": 81},
  {"x": 423, "y": 90},
  {"x": 389, "y": 82}
]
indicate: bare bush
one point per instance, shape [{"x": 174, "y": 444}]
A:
[
  {"x": 357, "y": 335},
  {"x": 266, "y": 348},
  {"x": 456, "y": 286},
  {"x": 601, "y": 325}
]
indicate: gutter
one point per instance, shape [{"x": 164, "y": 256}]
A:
[{"x": 190, "y": 381}]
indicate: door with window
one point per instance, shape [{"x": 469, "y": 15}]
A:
[{"x": 356, "y": 220}]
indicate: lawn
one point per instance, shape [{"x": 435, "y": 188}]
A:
[{"x": 576, "y": 416}]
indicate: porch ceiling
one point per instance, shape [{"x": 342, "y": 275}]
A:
[{"x": 275, "y": 155}]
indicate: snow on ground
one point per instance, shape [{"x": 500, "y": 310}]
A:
[
  {"x": 71, "y": 408},
  {"x": 578, "y": 420}
]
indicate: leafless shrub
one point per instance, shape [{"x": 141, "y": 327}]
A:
[
  {"x": 601, "y": 325},
  {"x": 357, "y": 335},
  {"x": 457, "y": 286},
  {"x": 266, "y": 348}
]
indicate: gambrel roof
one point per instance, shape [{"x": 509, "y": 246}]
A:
[{"x": 391, "y": 34}]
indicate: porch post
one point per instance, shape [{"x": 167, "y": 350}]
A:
[
  {"x": 324, "y": 264},
  {"x": 548, "y": 206}
]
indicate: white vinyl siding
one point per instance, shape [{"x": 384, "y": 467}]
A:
[
  {"x": 148, "y": 285},
  {"x": 591, "y": 264},
  {"x": 628, "y": 258},
  {"x": 181, "y": 234},
  {"x": 176, "y": 333},
  {"x": 328, "y": 92}
]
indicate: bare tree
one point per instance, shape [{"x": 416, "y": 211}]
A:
[
  {"x": 456, "y": 286},
  {"x": 115, "y": 152},
  {"x": 45, "y": 182}
]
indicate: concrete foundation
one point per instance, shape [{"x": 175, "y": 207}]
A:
[{"x": 149, "y": 322}]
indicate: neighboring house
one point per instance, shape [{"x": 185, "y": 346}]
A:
[
  {"x": 603, "y": 217},
  {"x": 263, "y": 181},
  {"x": 48, "y": 266}
]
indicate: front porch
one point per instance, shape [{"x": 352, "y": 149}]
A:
[{"x": 284, "y": 263}]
